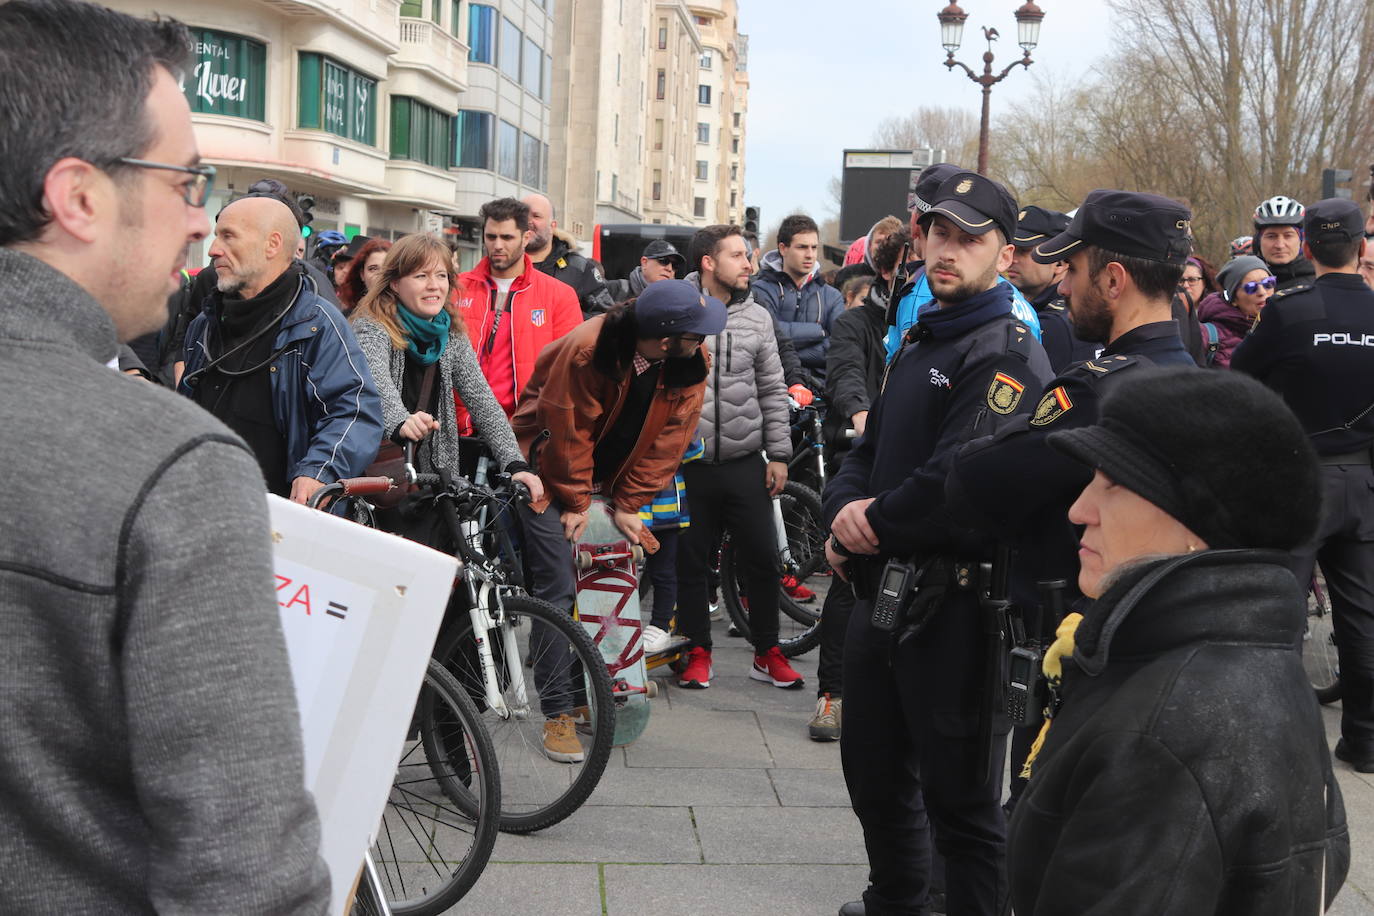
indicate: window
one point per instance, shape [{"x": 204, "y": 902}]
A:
[
  {"x": 698, "y": 206},
  {"x": 472, "y": 143},
  {"x": 509, "y": 56},
  {"x": 737, "y": 119},
  {"x": 412, "y": 8},
  {"x": 702, "y": 20},
  {"x": 616, "y": 136},
  {"x": 663, "y": 34},
  {"x": 434, "y": 8},
  {"x": 703, "y": 95},
  {"x": 703, "y": 132},
  {"x": 508, "y": 151},
  {"x": 455, "y": 16},
  {"x": 658, "y": 133},
  {"x": 615, "y": 188},
  {"x": 703, "y": 170},
  {"x": 337, "y": 99},
  {"x": 661, "y": 86},
  {"x": 482, "y": 34},
  {"x": 734, "y": 145},
  {"x": 230, "y": 76},
  {"x": 544, "y": 170},
  {"x": 707, "y": 59},
  {"x": 531, "y": 75},
  {"x": 419, "y": 133},
  {"x": 529, "y": 160},
  {"x": 617, "y": 69},
  {"x": 732, "y": 198},
  {"x": 734, "y": 173},
  {"x": 658, "y": 184}
]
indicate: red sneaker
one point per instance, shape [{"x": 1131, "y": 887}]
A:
[
  {"x": 772, "y": 666},
  {"x": 797, "y": 591},
  {"x": 697, "y": 675}
]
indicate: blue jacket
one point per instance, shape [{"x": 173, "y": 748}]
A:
[
  {"x": 323, "y": 397},
  {"x": 918, "y": 296},
  {"x": 805, "y": 315}
]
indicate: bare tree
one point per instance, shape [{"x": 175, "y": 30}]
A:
[{"x": 935, "y": 126}]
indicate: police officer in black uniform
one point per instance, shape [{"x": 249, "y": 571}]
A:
[
  {"x": 1125, "y": 253},
  {"x": 913, "y": 705},
  {"x": 1039, "y": 283},
  {"x": 1316, "y": 349},
  {"x": 555, "y": 256}
]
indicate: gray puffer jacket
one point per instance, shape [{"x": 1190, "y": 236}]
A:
[
  {"x": 458, "y": 371},
  {"x": 746, "y": 398}
]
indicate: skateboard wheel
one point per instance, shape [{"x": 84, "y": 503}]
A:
[
  {"x": 637, "y": 553},
  {"x": 651, "y": 689},
  {"x": 583, "y": 560}
]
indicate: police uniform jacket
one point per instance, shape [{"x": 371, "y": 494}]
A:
[
  {"x": 965, "y": 372},
  {"x": 1316, "y": 349},
  {"x": 565, "y": 264},
  {"x": 1186, "y": 770},
  {"x": 1057, "y": 334}
]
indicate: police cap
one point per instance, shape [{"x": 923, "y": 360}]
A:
[
  {"x": 1130, "y": 223},
  {"x": 1035, "y": 224},
  {"x": 1333, "y": 220},
  {"x": 929, "y": 181},
  {"x": 975, "y": 203}
]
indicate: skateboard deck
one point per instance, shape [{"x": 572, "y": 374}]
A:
[{"x": 608, "y": 606}]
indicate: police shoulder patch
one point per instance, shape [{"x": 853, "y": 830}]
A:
[
  {"x": 1004, "y": 393},
  {"x": 1052, "y": 406}
]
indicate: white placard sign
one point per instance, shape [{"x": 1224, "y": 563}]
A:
[{"x": 360, "y": 610}]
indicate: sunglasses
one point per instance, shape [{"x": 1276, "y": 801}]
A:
[{"x": 1253, "y": 286}]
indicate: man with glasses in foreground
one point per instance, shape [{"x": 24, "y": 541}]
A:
[{"x": 152, "y": 756}]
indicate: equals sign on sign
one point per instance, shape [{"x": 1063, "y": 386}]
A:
[{"x": 337, "y": 610}]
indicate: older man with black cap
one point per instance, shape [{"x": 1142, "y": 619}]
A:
[
  {"x": 1125, "y": 252},
  {"x": 660, "y": 261},
  {"x": 1039, "y": 283},
  {"x": 1316, "y": 348},
  {"x": 918, "y": 719}
]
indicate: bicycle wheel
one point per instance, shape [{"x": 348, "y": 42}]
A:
[
  {"x": 536, "y": 792},
  {"x": 1319, "y": 643},
  {"x": 794, "y": 637},
  {"x": 801, "y": 517},
  {"x": 440, "y": 823}
]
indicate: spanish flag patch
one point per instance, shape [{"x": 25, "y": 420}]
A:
[
  {"x": 1052, "y": 406},
  {"x": 1004, "y": 393}
]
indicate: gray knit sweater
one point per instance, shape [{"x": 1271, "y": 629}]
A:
[
  {"x": 458, "y": 371},
  {"x": 150, "y": 745}
]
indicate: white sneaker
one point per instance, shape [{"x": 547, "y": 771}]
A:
[{"x": 655, "y": 640}]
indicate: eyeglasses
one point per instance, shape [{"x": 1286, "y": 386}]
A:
[
  {"x": 1189, "y": 280},
  {"x": 691, "y": 338},
  {"x": 1253, "y": 286},
  {"x": 196, "y": 191}
]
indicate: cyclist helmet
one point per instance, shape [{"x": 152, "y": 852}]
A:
[
  {"x": 1243, "y": 245},
  {"x": 1278, "y": 211},
  {"x": 328, "y": 240}
]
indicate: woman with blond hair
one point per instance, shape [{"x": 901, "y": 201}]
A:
[{"x": 420, "y": 355}]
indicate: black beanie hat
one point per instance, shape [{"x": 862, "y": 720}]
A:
[{"x": 1217, "y": 450}]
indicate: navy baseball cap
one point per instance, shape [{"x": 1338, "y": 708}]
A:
[
  {"x": 1035, "y": 224},
  {"x": 928, "y": 182},
  {"x": 1333, "y": 220},
  {"x": 663, "y": 250},
  {"x": 976, "y": 203},
  {"x": 1132, "y": 223},
  {"x": 671, "y": 307}
]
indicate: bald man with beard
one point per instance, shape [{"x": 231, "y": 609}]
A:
[
  {"x": 554, "y": 253},
  {"x": 275, "y": 361}
]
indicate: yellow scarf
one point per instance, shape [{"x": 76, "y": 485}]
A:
[{"x": 1054, "y": 670}]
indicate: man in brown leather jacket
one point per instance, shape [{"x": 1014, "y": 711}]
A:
[{"x": 619, "y": 397}]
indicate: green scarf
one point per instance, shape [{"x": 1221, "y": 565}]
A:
[{"x": 425, "y": 337}]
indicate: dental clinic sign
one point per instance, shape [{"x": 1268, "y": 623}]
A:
[{"x": 228, "y": 76}]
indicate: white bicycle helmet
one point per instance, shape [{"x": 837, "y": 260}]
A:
[{"x": 1279, "y": 211}]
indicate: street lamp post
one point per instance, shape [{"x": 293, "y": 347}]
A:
[{"x": 1028, "y": 18}]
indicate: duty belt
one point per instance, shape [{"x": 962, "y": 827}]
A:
[{"x": 1363, "y": 456}]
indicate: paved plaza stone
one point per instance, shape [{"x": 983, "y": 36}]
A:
[{"x": 725, "y": 806}]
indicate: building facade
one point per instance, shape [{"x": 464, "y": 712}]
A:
[
  {"x": 722, "y": 101},
  {"x": 364, "y": 105}
]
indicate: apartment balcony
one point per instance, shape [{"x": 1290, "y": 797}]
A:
[
  {"x": 422, "y": 186},
  {"x": 372, "y": 21},
  {"x": 429, "y": 54}
]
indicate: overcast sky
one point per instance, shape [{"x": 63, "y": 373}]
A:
[{"x": 824, "y": 73}]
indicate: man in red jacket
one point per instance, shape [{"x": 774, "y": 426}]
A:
[{"x": 511, "y": 310}]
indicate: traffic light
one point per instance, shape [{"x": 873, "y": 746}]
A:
[
  {"x": 751, "y": 220},
  {"x": 1333, "y": 177},
  {"x": 307, "y": 205}
]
